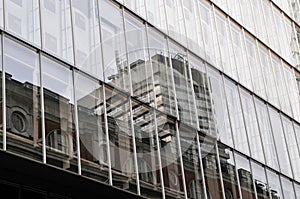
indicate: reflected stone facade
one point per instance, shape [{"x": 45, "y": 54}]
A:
[{"x": 150, "y": 99}]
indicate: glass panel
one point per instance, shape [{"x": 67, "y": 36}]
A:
[
  {"x": 292, "y": 47},
  {"x": 247, "y": 14},
  {"x": 120, "y": 139},
  {"x": 254, "y": 64},
  {"x": 230, "y": 181},
  {"x": 236, "y": 117},
  {"x": 113, "y": 42},
  {"x": 234, "y": 9},
  {"x": 200, "y": 81},
  {"x": 297, "y": 189},
  {"x": 1, "y": 14},
  {"x": 162, "y": 73},
  {"x": 57, "y": 33},
  {"x": 260, "y": 181},
  {"x": 156, "y": 14},
  {"x": 175, "y": 20},
  {"x": 292, "y": 146},
  {"x": 87, "y": 37},
  {"x": 140, "y": 66},
  {"x": 281, "y": 86},
  {"x": 243, "y": 68},
  {"x": 269, "y": 77},
  {"x": 266, "y": 134},
  {"x": 251, "y": 123},
  {"x": 22, "y": 19},
  {"x": 297, "y": 130},
  {"x": 259, "y": 20},
  {"x": 23, "y": 109},
  {"x": 245, "y": 177},
  {"x": 228, "y": 62},
  {"x": 274, "y": 185},
  {"x": 219, "y": 107},
  {"x": 138, "y": 6},
  {"x": 184, "y": 96},
  {"x": 271, "y": 30},
  {"x": 280, "y": 142},
  {"x": 147, "y": 150},
  {"x": 292, "y": 90},
  {"x": 193, "y": 26},
  {"x": 170, "y": 157},
  {"x": 59, "y": 115},
  {"x": 287, "y": 188},
  {"x": 93, "y": 143},
  {"x": 209, "y": 33},
  {"x": 191, "y": 162},
  {"x": 211, "y": 168}
]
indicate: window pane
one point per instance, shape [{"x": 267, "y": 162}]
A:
[
  {"x": 211, "y": 168},
  {"x": 274, "y": 183},
  {"x": 287, "y": 188},
  {"x": 93, "y": 142},
  {"x": 266, "y": 134},
  {"x": 236, "y": 117},
  {"x": 170, "y": 157},
  {"x": 162, "y": 73},
  {"x": 23, "y": 100},
  {"x": 22, "y": 19},
  {"x": 219, "y": 107},
  {"x": 245, "y": 176},
  {"x": 87, "y": 37},
  {"x": 147, "y": 150},
  {"x": 120, "y": 139},
  {"x": 184, "y": 96},
  {"x": 203, "y": 97},
  {"x": 175, "y": 20},
  {"x": 191, "y": 162},
  {"x": 114, "y": 50},
  {"x": 229, "y": 175},
  {"x": 260, "y": 181},
  {"x": 156, "y": 14},
  {"x": 57, "y": 34},
  {"x": 269, "y": 77},
  {"x": 139, "y": 61},
  {"x": 253, "y": 60},
  {"x": 292, "y": 146},
  {"x": 252, "y": 126},
  {"x": 228, "y": 61},
  {"x": 138, "y": 6},
  {"x": 59, "y": 115},
  {"x": 280, "y": 143}
]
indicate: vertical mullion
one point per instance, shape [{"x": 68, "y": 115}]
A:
[
  {"x": 104, "y": 101},
  {"x": 3, "y": 96}
]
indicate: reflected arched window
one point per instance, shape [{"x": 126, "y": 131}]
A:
[
  {"x": 61, "y": 141},
  {"x": 195, "y": 189},
  {"x": 228, "y": 194}
]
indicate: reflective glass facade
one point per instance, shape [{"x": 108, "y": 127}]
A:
[{"x": 160, "y": 98}]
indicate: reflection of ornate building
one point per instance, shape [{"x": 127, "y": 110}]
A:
[{"x": 150, "y": 99}]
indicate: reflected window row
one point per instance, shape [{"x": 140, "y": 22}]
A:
[{"x": 71, "y": 120}]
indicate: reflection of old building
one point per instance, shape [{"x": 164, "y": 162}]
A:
[{"x": 149, "y": 99}]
